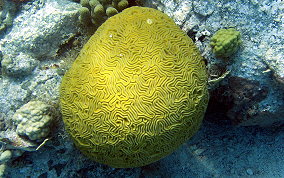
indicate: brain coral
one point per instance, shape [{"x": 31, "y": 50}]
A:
[{"x": 137, "y": 90}]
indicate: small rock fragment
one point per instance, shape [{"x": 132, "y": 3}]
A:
[
  {"x": 199, "y": 151},
  {"x": 249, "y": 172}
]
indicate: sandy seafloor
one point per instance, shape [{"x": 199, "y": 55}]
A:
[{"x": 217, "y": 150}]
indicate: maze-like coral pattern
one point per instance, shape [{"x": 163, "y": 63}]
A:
[{"x": 137, "y": 90}]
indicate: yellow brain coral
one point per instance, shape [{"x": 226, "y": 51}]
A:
[{"x": 137, "y": 90}]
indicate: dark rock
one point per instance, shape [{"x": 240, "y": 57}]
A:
[{"x": 238, "y": 100}]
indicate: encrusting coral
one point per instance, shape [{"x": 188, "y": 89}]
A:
[
  {"x": 33, "y": 120},
  {"x": 136, "y": 92},
  {"x": 225, "y": 42}
]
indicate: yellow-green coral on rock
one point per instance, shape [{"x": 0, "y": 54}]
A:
[
  {"x": 99, "y": 10},
  {"x": 85, "y": 15},
  {"x": 33, "y": 120},
  {"x": 225, "y": 42},
  {"x": 111, "y": 11},
  {"x": 136, "y": 92}
]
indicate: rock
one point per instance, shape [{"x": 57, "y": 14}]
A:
[
  {"x": 239, "y": 101},
  {"x": 204, "y": 8},
  {"x": 40, "y": 32},
  {"x": 7, "y": 12},
  {"x": 18, "y": 153},
  {"x": 11, "y": 140},
  {"x": 15, "y": 92},
  {"x": 19, "y": 65},
  {"x": 273, "y": 55}
]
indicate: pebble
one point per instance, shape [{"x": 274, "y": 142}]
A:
[
  {"x": 199, "y": 151},
  {"x": 249, "y": 172}
]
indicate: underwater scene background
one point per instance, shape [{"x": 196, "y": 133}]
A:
[{"x": 232, "y": 50}]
